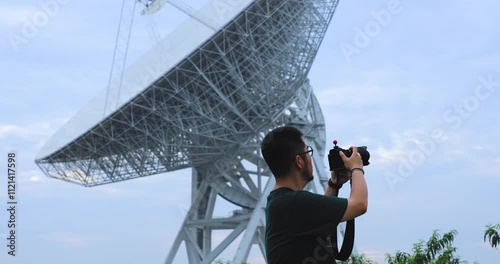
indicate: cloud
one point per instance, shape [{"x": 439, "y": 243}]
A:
[
  {"x": 34, "y": 183},
  {"x": 28, "y": 138},
  {"x": 7, "y": 130},
  {"x": 374, "y": 254},
  {"x": 31, "y": 132},
  {"x": 449, "y": 145},
  {"x": 33, "y": 176},
  {"x": 397, "y": 149}
]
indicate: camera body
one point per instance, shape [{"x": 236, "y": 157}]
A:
[{"x": 337, "y": 164}]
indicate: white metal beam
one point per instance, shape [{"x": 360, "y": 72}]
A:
[{"x": 255, "y": 222}]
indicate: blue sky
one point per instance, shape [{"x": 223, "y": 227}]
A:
[{"x": 421, "y": 90}]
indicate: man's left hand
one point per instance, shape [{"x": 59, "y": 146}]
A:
[{"x": 340, "y": 177}]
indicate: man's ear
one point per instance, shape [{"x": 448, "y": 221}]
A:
[{"x": 299, "y": 162}]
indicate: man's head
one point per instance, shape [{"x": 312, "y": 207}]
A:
[{"x": 285, "y": 152}]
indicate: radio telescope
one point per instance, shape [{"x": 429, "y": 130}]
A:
[{"x": 203, "y": 97}]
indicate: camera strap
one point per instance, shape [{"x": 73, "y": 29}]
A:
[{"x": 347, "y": 243}]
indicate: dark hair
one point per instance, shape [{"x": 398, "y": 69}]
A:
[{"x": 279, "y": 147}]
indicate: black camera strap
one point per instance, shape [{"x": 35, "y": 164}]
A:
[{"x": 347, "y": 243}]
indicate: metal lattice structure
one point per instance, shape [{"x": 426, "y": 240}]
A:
[{"x": 209, "y": 111}]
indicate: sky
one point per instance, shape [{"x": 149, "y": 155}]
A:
[{"x": 416, "y": 82}]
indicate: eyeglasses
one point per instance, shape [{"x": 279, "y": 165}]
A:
[{"x": 310, "y": 150}]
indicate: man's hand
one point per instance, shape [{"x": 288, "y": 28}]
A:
[
  {"x": 355, "y": 161},
  {"x": 340, "y": 177}
]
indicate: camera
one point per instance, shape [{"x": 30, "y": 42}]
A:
[{"x": 336, "y": 162}]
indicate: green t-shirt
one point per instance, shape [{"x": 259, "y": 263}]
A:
[{"x": 299, "y": 224}]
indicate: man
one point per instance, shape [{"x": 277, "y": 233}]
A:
[{"x": 299, "y": 222}]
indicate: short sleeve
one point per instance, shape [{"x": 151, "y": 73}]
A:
[{"x": 314, "y": 214}]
